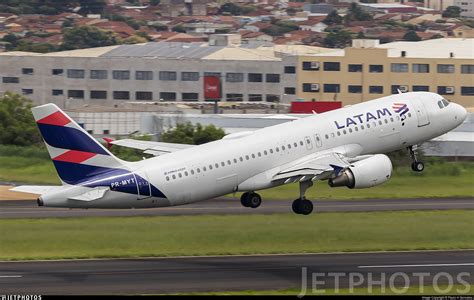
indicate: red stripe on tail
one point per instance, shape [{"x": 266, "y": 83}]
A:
[
  {"x": 74, "y": 156},
  {"x": 57, "y": 118}
]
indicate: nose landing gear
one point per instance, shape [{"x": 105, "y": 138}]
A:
[{"x": 416, "y": 165}]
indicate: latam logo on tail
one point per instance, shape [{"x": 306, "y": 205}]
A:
[{"x": 399, "y": 108}]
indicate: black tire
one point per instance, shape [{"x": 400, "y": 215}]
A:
[
  {"x": 254, "y": 200},
  {"x": 305, "y": 207},
  {"x": 417, "y": 166},
  {"x": 244, "y": 199},
  {"x": 295, "y": 206}
]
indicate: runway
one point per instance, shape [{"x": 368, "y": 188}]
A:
[
  {"x": 29, "y": 209},
  {"x": 232, "y": 273}
]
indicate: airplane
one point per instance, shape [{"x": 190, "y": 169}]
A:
[{"x": 344, "y": 147}]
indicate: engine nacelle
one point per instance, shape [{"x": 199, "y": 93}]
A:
[{"x": 366, "y": 173}]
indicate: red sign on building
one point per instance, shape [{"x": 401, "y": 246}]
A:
[{"x": 212, "y": 88}]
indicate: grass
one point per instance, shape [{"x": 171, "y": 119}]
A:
[
  {"x": 455, "y": 289},
  {"x": 27, "y": 170},
  {"x": 234, "y": 234}
]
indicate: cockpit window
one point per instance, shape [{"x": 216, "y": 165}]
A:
[
  {"x": 440, "y": 104},
  {"x": 445, "y": 102}
]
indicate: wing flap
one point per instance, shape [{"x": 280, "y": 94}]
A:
[{"x": 149, "y": 147}]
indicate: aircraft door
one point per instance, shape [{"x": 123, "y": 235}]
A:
[
  {"x": 421, "y": 112},
  {"x": 143, "y": 185}
]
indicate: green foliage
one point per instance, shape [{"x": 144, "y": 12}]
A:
[
  {"x": 17, "y": 125},
  {"x": 159, "y": 27},
  {"x": 35, "y": 47},
  {"x": 135, "y": 39},
  {"x": 87, "y": 37},
  {"x": 187, "y": 133},
  {"x": 338, "y": 39},
  {"x": 155, "y": 2},
  {"x": 279, "y": 28},
  {"x": 356, "y": 13},
  {"x": 333, "y": 18},
  {"x": 452, "y": 12},
  {"x": 411, "y": 36},
  {"x": 231, "y": 8},
  {"x": 178, "y": 28},
  {"x": 36, "y": 151},
  {"x": 51, "y": 7}
]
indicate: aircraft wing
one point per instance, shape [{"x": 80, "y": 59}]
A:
[
  {"x": 149, "y": 147},
  {"x": 320, "y": 167}
]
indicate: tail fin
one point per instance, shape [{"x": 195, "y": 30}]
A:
[{"x": 76, "y": 155}]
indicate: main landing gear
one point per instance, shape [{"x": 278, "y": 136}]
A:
[
  {"x": 251, "y": 199},
  {"x": 416, "y": 165},
  {"x": 302, "y": 206}
]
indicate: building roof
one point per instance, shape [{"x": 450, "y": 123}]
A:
[{"x": 436, "y": 48}]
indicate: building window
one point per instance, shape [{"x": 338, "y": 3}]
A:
[
  {"x": 98, "y": 74},
  {"x": 11, "y": 80},
  {"x": 467, "y": 90},
  {"x": 355, "y": 68},
  {"x": 272, "y": 98},
  {"x": 445, "y": 68},
  {"x": 75, "y": 73},
  {"x": 168, "y": 96},
  {"x": 255, "y": 97},
  {"x": 57, "y": 92},
  {"x": 376, "y": 68},
  {"x": 76, "y": 94},
  {"x": 399, "y": 68},
  {"x": 376, "y": 89},
  {"x": 446, "y": 90},
  {"x": 310, "y": 87},
  {"x": 421, "y": 68},
  {"x": 190, "y": 76},
  {"x": 467, "y": 69},
  {"x": 144, "y": 95},
  {"x": 143, "y": 75},
  {"x": 27, "y": 71},
  {"x": 420, "y": 88},
  {"x": 332, "y": 66},
  {"x": 332, "y": 88},
  {"x": 215, "y": 74},
  {"x": 234, "y": 97},
  {"x": 27, "y": 91},
  {"x": 234, "y": 77},
  {"x": 272, "y": 77},
  {"x": 121, "y": 75},
  {"x": 98, "y": 94},
  {"x": 290, "y": 90},
  {"x": 167, "y": 75},
  {"x": 355, "y": 89},
  {"x": 290, "y": 70},
  {"x": 57, "y": 71},
  {"x": 190, "y": 96},
  {"x": 311, "y": 65},
  {"x": 401, "y": 88},
  {"x": 255, "y": 77},
  {"x": 121, "y": 95}
]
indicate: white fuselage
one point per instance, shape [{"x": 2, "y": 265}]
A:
[{"x": 248, "y": 163}]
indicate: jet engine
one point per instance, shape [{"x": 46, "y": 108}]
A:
[{"x": 365, "y": 173}]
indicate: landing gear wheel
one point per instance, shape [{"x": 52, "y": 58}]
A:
[
  {"x": 302, "y": 206},
  {"x": 244, "y": 199},
  {"x": 417, "y": 166},
  {"x": 254, "y": 200}
]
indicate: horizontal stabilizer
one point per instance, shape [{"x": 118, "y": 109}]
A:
[
  {"x": 94, "y": 194},
  {"x": 35, "y": 189}
]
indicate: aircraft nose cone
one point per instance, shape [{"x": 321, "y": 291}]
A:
[{"x": 461, "y": 113}]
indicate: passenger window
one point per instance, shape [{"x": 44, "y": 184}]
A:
[
  {"x": 380, "y": 122},
  {"x": 289, "y": 146},
  {"x": 277, "y": 149},
  {"x": 192, "y": 172},
  {"x": 241, "y": 158},
  {"x": 344, "y": 131},
  {"x": 247, "y": 157},
  {"x": 338, "y": 133},
  {"x": 409, "y": 115},
  {"x": 198, "y": 170},
  {"x": 228, "y": 162},
  {"x": 362, "y": 127},
  {"x": 259, "y": 154},
  {"x": 283, "y": 148},
  {"x": 222, "y": 163},
  {"x": 204, "y": 169},
  {"x": 186, "y": 173},
  {"x": 167, "y": 178},
  {"x": 350, "y": 130},
  {"x": 386, "y": 121},
  {"x": 295, "y": 144},
  {"x": 271, "y": 151},
  {"x": 265, "y": 152},
  {"x": 179, "y": 175},
  {"x": 235, "y": 160},
  {"x": 301, "y": 143},
  {"x": 174, "y": 176},
  {"x": 368, "y": 125},
  {"x": 356, "y": 128},
  {"x": 210, "y": 167},
  {"x": 332, "y": 134},
  {"x": 217, "y": 165}
]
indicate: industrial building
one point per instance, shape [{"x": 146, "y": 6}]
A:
[{"x": 370, "y": 70}]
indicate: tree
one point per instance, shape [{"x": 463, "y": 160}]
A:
[
  {"x": 356, "y": 13},
  {"x": 452, "y": 12},
  {"x": 338, "y": 39},
  {"x": 411, "y": 36},
  {"x": 135, "y": 39},
  {"x": 155, "y": 2},
  {"x": 231, "y": 8},
  {"x": 17, "y": 125},
  {"x": 187, "y": 133},
  {"x": 178, "y": 28},
  {"x": 333, "y": 18},
  {"x": 87, "y": 37}
]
